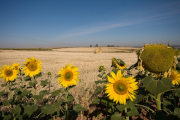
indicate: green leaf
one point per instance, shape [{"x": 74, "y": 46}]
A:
[
  {"x": 31, "y": 84},
  {"x": 3, "y": 92},
  {"x": 166, "y": 102},
  {"x": 7, "y": 117},
  {"x": 3, "y": 85},
  {"x": 44, "y": 82},
  {"x": 177, "y": 112},
  {"x": 130, "y": 104},
  {"x": 7, "y": 102},
  {"x": 177, "y": 92},
  {"x": 78, "y": 107},
  {"x": 29, "y": 110},
  {"x": 38, "y": 97},
  {"x": 16, "y": 111},
  {"x": 96, "y": 100},
  {"x": 44, "y": 92},
  {"x": 27, "y": 78},
  {"x": 98, "y": 90},
  {"x": 157, "y": 86},
  {"x": 25, "y": 92},
  {"x": 68, "y": 88},
  {"x": 121, "y": 107},
  {"x": 19, "y": 78},
  {"x": 99, "y": 75},
  {"x": 116, "y": 116},
  {"x": 49, "y": 109},
  {"x": 133, "y": 112},
  {"x": 70, "y": 98},
  {"x": 38, "y": 75},
  {"x": 55, "y": 93}
]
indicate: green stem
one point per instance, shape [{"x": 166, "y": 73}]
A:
[
  {"x": 66, "y": 95},
  {"x": 34, "y": 90},
  {"x": 127, "y": 117},
  {"x": 146, "y": 108},
  {"x": 10, "y": 90},
  {"x": 158, "y": 101},
  {"x": 49, "y": 83}
]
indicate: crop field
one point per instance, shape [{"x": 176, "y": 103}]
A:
[{"x": 84, "y": 58}]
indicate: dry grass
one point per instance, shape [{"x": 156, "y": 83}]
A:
[{"x": 87, "y": 62}]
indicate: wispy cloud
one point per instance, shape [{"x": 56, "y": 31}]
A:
[{"x": 155, "y": 15}]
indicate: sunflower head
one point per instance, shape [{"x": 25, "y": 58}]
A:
[
  {"x": 118, "y": 63},
  {"x": 176, "y": 52},
  {"x": 16, "y": 67},
  {"x": 157, "y": 58},
  {"x": 8, "y": 73},
  {"x": 32, "y": 67},
  {"x": 68, "y": 76},
  {"x": 174, "y": 76},
  {"x": 120, "y": 88}
]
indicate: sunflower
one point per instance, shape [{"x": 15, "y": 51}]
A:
[
  {"x": 121, "y": 88},
  {"x": 118, "y": 63},
  {"x": 8, "y": 73},
  {"x": 16, "y": 67},
  {"x": 32, "y": 67},
  {"x": 101, "y": 68},
  {"x": 68, "y": 76},
  {"x": 174, "y": 76}
]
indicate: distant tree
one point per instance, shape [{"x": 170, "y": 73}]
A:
[
  {"x": 90, "y": 45},
  {"x": 112, "y": 46},
  {"x": 96, "y": 45},
  {"x": 108, "y": 46}
]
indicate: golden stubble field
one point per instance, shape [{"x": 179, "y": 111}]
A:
[{"x": 84, "y": 58}]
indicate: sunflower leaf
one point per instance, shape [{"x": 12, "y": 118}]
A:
[
  {"x": 3, "y": 92},
  {"x": 78, "y": 108},
  {"x": 177, "y": 92},
  {"x": 177, "y": 111},
  {"x": 49, "y": 109},
  {"x": 116, "y": 116},
  {"x": 98, "y": 90},
  {"x": 133, "y": 112},
  {"x": 157, "y": 86},
  {"x": 27, "y": 78},
  {"x": 44, "y": 82},
  {"x": 3, "y": 85},
  {"x": 16, "y": 111},
  {"x": 96, "y": 100},
  {"x": 38, "y": 97},
  {"x": 29, "y": 110},
  {"x": 56, "y": 93},
  {"x": 121, "y": 107},
  {"x": 25, "y": 92},
  {"x": 7, "y": 102}
]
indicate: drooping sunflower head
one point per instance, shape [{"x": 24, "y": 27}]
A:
[
  {"x": 118, "y": 63},
  {"x": 8, "y": 73},
  {"x": 157, "y": 58},
  {"x": 68, "y": 76},
  {"x": 32, "y": 67},
  {"x": 174, "y": 75},
  {"x": 16, "y": 67},
  {"x": 120, "y": 88}
]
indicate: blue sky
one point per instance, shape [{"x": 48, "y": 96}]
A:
[{"x": 80, "y": 23}]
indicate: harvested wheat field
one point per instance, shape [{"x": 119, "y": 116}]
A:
[{"x": 84, "y": 58}]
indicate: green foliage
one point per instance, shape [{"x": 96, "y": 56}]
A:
[
  {"x": 157, "y": 86},
  {"x": 157, "y": 58}
]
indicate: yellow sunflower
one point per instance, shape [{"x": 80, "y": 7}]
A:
[
  {"x": 32, "y": 67},
  {"x": 174, "y": 76},
  {"x": 121, "y": 66},
  {"x": 16, "y": 67},
  {"x": 118, "y": 64},
  {"x": 68, "y": 76},
  {"x": 8, "y": 73},
  {"x": 121, "y": 88}
]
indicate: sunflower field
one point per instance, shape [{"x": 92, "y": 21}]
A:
[{"x": 118, "y": 95}]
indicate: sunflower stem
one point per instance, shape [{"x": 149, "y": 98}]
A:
[
  {"x": 158, "y": 101},
  {"x": 49, "y": 82},
  {"x": 127, "y": 117},
  {"x": 66, "y": 95},
  {"x": 34, "y": 90},
  {"x": 146, "y": 108}
]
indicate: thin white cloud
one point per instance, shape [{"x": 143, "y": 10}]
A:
[{"x": 160, "y": 15}]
